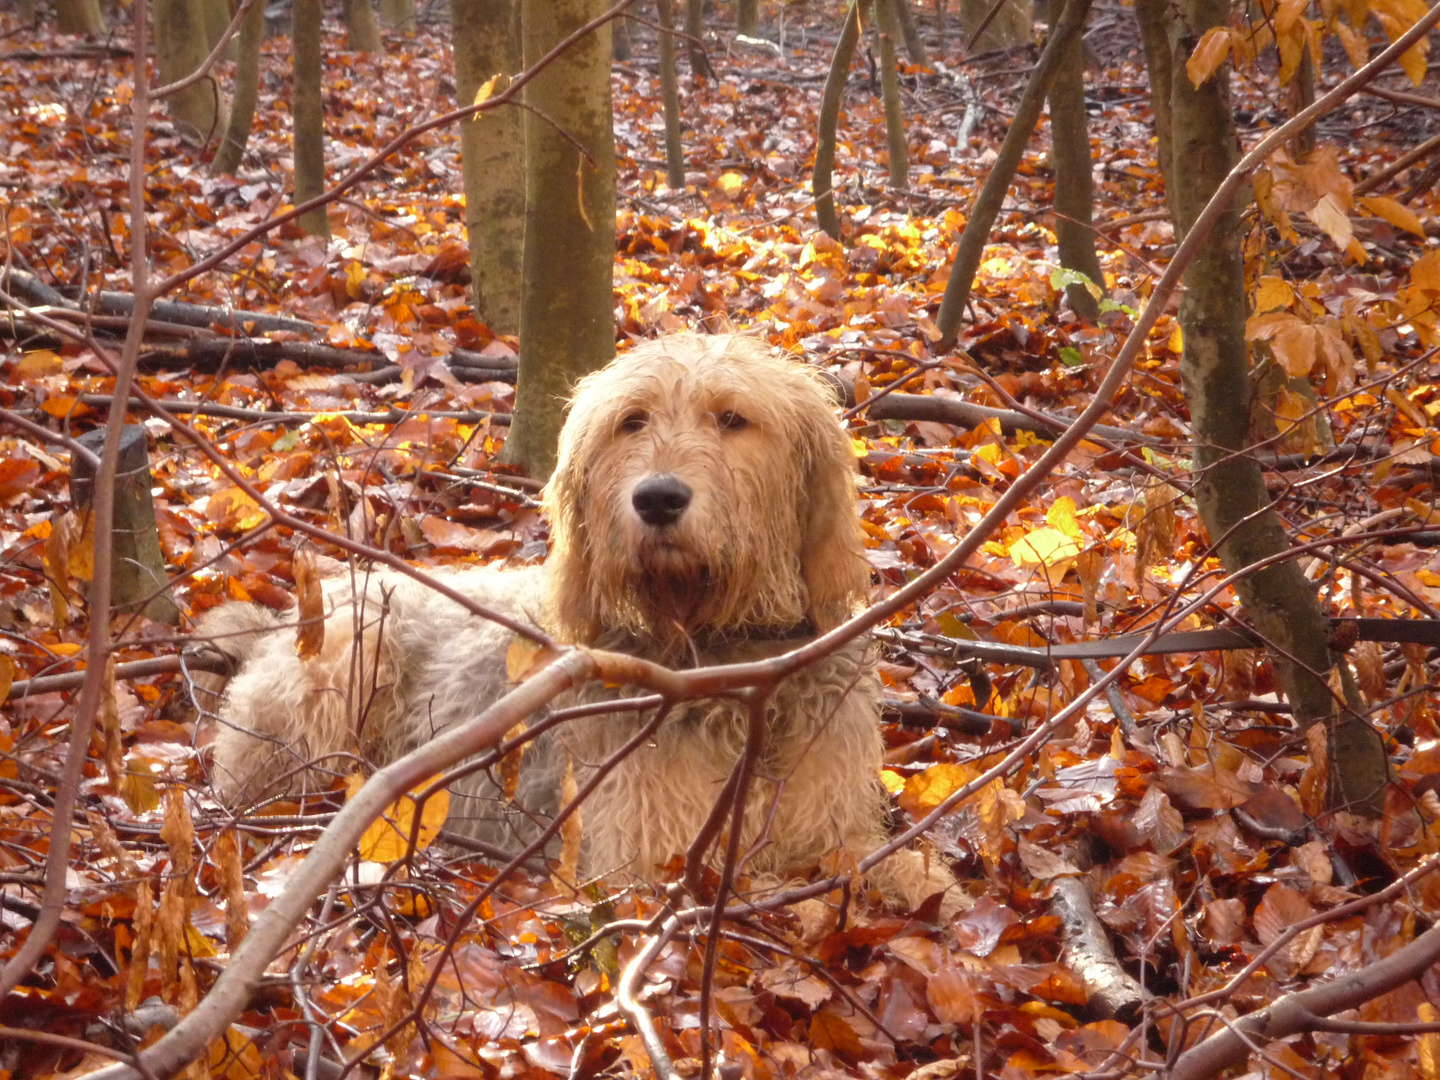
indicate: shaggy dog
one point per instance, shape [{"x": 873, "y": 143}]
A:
[{"x": 702, "y": 512}]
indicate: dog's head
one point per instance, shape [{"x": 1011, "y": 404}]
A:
[{"x": 703, "y": 486}]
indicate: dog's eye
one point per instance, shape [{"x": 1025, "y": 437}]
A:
[
  {"x": 634, "y": 422},
  {"x": 732, "y": 421}
]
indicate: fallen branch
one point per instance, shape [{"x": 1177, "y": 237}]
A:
[
  {"x": 1110, "y": 992},
  {"x": 268, "y": 416},
  {"x": 1299, "y": 1012},
  {"x": 175, "y": 311}
]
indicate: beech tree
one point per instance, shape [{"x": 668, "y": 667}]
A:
[
  {"x": 567, "y": 307},
  {"x": 487, "y": 44}
]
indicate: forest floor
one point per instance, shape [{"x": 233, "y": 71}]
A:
[{"x": 1186, "y": 801}]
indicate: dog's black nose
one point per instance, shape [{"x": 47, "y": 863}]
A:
[{"x": 661, "y": 499}]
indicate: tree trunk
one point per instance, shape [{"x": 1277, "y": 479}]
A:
[
  {"x": 1008, "y": 27},
  {"x": 992, "y": 195},
  {"x": 620, "y": 31},
  {"x": 1301, "y": 93},
  {"x": 670, "y": 92},
  {"x": 247, "y": 88},
  {"x": 1279, "y": 602},
  {"x": 747, "y": 17},
  {"x": 910, "y": 31},
  {"x": 567, "y": 315},
  {"x": 486, "y": 43},
  {"x": 822, "y": 179},
  {"x": 362, "y": 32},
  {"x": 217, "y": 21},
  {"x": 1150, "y": 14},
  {"x": 399, "y": 15},
  {"x": 1074, "y": 184},
  {"x": 887, "y": 27},
  {"x": 695, "y": 31},
  {"x": 79, "y": 17},
  {"x": 180, "y": 46},
  {"x": 308, "y": 115}
]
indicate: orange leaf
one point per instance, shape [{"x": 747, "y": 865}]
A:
[
  {"x": 1209, "y": 54},
  {"x": 310, "y": 633}
]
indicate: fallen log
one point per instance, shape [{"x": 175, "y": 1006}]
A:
[{"x": 1110, "y": 992}]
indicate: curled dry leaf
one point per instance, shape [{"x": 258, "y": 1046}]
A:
[{"x": 310, "y": 599}]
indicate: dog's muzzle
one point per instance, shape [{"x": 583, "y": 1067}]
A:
[{"x": 660, "y": 499}]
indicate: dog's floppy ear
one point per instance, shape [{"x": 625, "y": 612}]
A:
[
  {"x": 832, "y": 552},
  {"x": 572, "y": 603}
]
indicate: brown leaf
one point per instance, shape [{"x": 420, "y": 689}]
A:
[
  {"x": 1205, "y": 788},
  {"x": 142, "y": 928},
  {"x": 568, "y": 868},
  {"x": 310, "y": 633},
  {"x": 110, "y": 728},
  {"x": 226, "y": 854},
  {"x": 954, "y": 997}
]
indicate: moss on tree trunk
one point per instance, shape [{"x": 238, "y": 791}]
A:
[
  {"x": 567, "y": 314},
  {"x": 486, "y": 40}
]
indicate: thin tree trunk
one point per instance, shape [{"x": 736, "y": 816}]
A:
[
  {"x": 1151, "y": 17},
  {"x": 79, "y": 17},
  {"x": 910, "y": 31},
  {"x": 1301, "y": 92},
  {"x": 747, "y": 17},
  {"x": 567, "y": 316},
  {"x": 308, "y": 115},
  {"x": 887, "y": 25},
  {"x": 181, "y": 47},
  {"x": 362, "y": 32},
  {"x": 670, "y": 92},
  {"x": 486, "y": 43},
  {"x": 695, "y": 31},
  {"x": 992, "y": 195},
  {"x": 1074, "y": 183},
  {"x": 620, "y": 31},
  {"x": 399, "y": 15},
  {"x": 1279, "y": 601},
  {"x": 822, "y": 179},
  {"x": 247, "y": 88},
  {"x": 217, "y": 21}
]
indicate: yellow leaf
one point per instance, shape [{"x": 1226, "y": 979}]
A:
[
  {"x": 1209, "y": 54},
  {"x": 388, "y": 837},
  {"x": 38, "y": 364},
  {"x": 1399, "y": 215},
  {"x": 487, "y": 88},
  {"x": 731, "y": 183},
  {"x": 1425, "y": 272},
  {"x": 1328, "y": 214},
  {"x": 1357, "y": 47},
  {"x": 1428, "y": 1046},
  {"x": 525, "y": 657},
  {"x": 893, "y": 781},
  {"x": 926, "y": 790},
  {"x": 1062, "y": 516},
  {"x": 1413, "y": 61},
  {"x": 1273, "y": 293},
  {"x": 1045, "y": 547}
]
